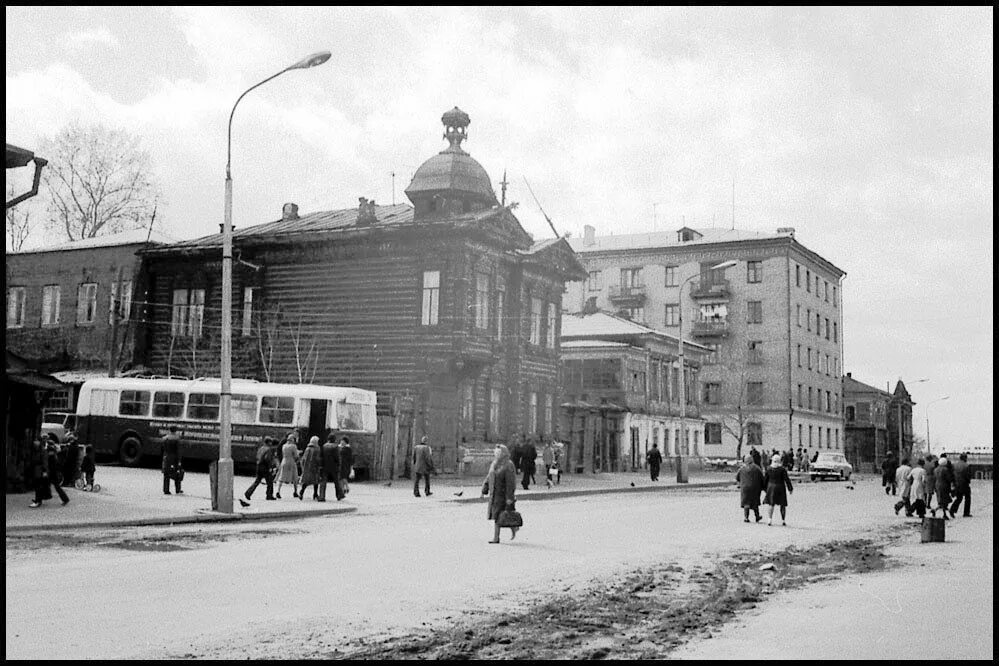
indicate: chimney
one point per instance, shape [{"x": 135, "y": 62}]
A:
[
  {"x": 849, "y": 375},
  {"x": 786, "y": 231},
  {"x": 590, "y": 306},
  {"x": 289, "y": 212},
  {"x": 588, "y": 235},
  {"x": 366, "y": 211}
]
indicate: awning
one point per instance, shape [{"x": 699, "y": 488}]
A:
[
  {"x": 78, "y": 376},
  {"x": 35, "y": 379}
]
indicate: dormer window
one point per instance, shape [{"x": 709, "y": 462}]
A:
[{"x": 687, "y": 234}]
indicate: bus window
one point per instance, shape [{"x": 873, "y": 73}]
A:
[
  {"x": 203, "y": 407},
  {"x": 134, "y": 403},
  {"x": 103, "y": 402},
  {"x": 277, "y": 410},
  {"x": 167, "y": 404},
  {"x": 244, "y": 409},
  {"x": 351, "y": 416}
]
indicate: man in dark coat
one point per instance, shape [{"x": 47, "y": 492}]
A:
[
  {"x": 888, "y": 467},
  {"x": 516, "y": 455},
  {"x": 346, "y": 465},
  {"x": 962, "y": 486},
  {"x": 423, "y": 465},
  {"x": 330, "y": 468},
  {"x": 46, "y": 472},
  {"x": 529, "y": 454},
  {"x": 265, "y": 465},
  {"x": 655, "y": 458},
  {"x": 172, "y": 463},
  {"x": 756, "y": 456},
  {"x": 750, "y": 480}
]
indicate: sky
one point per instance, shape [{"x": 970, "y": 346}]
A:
[{"x": 868, "y": 130}]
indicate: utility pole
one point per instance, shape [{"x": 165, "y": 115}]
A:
[{"x": 115, "y": 300}]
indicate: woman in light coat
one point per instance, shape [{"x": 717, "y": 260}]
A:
[
  {"x": 500, "y": 485},
  {"x": 288, "y": 472},
  {"x": 312, "y": 459},
  {"x": 777, "y": 480}
]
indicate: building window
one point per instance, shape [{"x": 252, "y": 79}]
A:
[
  {"x": 799, "y": 395},
  {"x": 468, "y": 405},
  {"x": 808, "y": 319},
  {"x": 817, "y": 294},
  {"x": 86, "y": 303},
  {"x": 827, "y": 328},
  {"x": 799, "y": 356},
  {"x": 754, "y": 434},
  {"x": 636, "y": 314},
  {"x": 797, "y": 275},
  {"x": 712, "y": 433},
  {"x": 834, "y": 302},
  {"x": 825, "y": 286},
  {"x": 247, "y": 324},
  {"x": 431, "y": 297},
  {"x": 797, "y": 315},
  {"x": 500, "y": 303},
  {"x": 593, "y": 281},
  {"x": 818, "y": 325},
  {"x": 536, "y": 306},
  {"x": 712, "y": 393},
  {"x": 482, "y": 301},
  {"x": 549, "y": 409},
  {"x": 755, "y": 352},
  {"x": 494, "y": 411},
  {"x": 755, "y": 312},
  {"x": 808, "y": 281},
  {"x": 121, "y": 294},
  {"x": 828, "y": 401},
  {"x": 810, "y": 397},
  {"x": 672, "y": 314},
  {"x": 827, "y": 364},
  {"x": 754, "y": 393},
  {"x": 809, "y": 358},
  {"x": 818, "y": 434},
  {"x": 754, "y": 271},
  {"x": 187, "y": 317},
  {"x": 631, "y": 277},
  {"x": 671, "y": 279},
  {"x": 800, "y": 442},
  {"x": 835, "y": 332},
  {"x": 50, "y": 305},
  {"x": 15, "y": 307},
  {"x": 532, "y": 412},
  {"x": 828, "y": 438},
  {"x": 178, "y": 315},
  {"x": 552, "y": 325},
  {"x": 837, "y": 437},
  {"x": 810, "y": 436}
]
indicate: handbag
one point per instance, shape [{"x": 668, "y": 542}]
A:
[{"x": 510, "y": 518}]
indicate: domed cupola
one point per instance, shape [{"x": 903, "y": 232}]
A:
[{"x": 451, "y": 182}]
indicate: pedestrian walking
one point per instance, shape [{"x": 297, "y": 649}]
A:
[
  {"x": 173, "y": 464},
  {"x": 71, "y": 464},
  {"x": 88, "y": 466},
  {"x": 888, "y": 467},
  {"x": 500, "y": 485},
  {"x": 751, "y": 483},
  {"x": 463, "y": 457},
  {"x": 655, "y": 458},
  {"x": 423, "y": 466},
  {"x": 962, "y": 486},
  {"x": 46, "y": 473},
  {"x": 529, "y": 455},
  {"x": 806, "y": 463},
  {"x": 288, "y": 471},
  {"x": 943, "y": 479},
  {"x": 903, "y": 480},
  {"x": 799, "y": 460},
  {"x": 517, "y": 456},
  {"x": 331, "y": 468},
  {"x": 345, "y": 465},
  {"x": 265, "y": 465},
  {"x": 556, "y": 468},
  {"x": 311, "y": 468},
  {"x": 764, "y": 460},
  {"x": 777, "y": 482},
  {"x": 757, "y": 458},
  {"x": 930, "y": 486},
  {"x": 917, "y": 494}
]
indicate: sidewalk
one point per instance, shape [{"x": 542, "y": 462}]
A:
[{"x": 132, "y": 497}]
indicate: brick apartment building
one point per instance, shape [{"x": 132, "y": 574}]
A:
[{"x": 773, "y": 322}]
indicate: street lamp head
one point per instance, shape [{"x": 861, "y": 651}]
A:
[
  {"x": 312, "y": 60},
  {"x": 725, "y": 264}
]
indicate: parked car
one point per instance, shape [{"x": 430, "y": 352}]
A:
[
  {"x": 830, "y": 465},
  {"x": 58, "y": 424}
]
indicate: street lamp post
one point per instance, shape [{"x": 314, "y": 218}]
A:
[
  {"x": 928, "y": 449},
  {"x": 681, "y": 449},
  {"x": 224, "y": 486}
]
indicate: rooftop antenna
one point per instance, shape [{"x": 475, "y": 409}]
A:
[
  {"x": 503, "y": 185},
  {"x": 547, "y": 219},
  {"x": 654, "y": 204},
  {"x": 393, "y": 188}
]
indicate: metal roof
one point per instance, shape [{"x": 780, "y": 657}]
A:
[
  {"x": 17, "y": 157},
  {"x": 128, "y": 237},
  {"x": 667, "y": 239}
]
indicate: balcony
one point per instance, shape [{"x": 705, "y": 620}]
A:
[
  {"x": 717, "y": 289},
  {"x": 622, "y": 295},
  {"x": 710, "y": 328}
]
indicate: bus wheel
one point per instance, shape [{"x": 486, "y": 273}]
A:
[{"x": 130, "y": 451}]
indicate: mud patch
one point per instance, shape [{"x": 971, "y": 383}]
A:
[
  {"x": 644, "y": 615},
  {"x": 162, "y": 540}
]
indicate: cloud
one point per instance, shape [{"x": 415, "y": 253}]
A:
[{"x": 98, "y": 36}]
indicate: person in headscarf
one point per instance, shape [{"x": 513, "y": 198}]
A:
[
  {"x": 500, "y": 485},
  {"x": 777, "y": 480},
  {"x": 750, "y": 480},
  {"x": 311, "y": 468}
]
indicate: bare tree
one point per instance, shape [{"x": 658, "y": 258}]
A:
[
  {"x": 18, "y": 221},
  {"x": 306, "y": 351},
  {"x": 98, "y": 181},
  {"x": 268, "y": 336},
  {"x": 738, "y": 412}
]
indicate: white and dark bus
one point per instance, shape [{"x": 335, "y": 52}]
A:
[{"x": 126, "y": 417}]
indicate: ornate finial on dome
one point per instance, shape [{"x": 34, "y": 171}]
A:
[{"x": 456, "y": 123}]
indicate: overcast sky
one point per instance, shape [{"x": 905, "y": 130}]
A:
[{"x": 869, "y": 130}]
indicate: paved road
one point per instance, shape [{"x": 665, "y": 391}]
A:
[{"x": 328, "y": 580}]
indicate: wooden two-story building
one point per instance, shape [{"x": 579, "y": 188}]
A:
[{"x": 447, "y": 308}]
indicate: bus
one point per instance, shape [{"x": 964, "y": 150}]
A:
[{"x": 125, "y": 417}]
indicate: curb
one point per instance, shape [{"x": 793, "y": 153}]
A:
[
  {"x": 206, "y": 517},
  {"x": 600, "y": 491}
]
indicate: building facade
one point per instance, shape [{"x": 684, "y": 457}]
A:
[
  {"x": 773, "y": 322},
  {"x": 865, "y": 422},
  {"x": 901, "y": 436},
  {"x": 59, "y": 307},
  {"x": 621, "y": 382},
  {"x": 447, "y": 309}
]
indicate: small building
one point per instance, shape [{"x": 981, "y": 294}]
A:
[
  {"x": 622, "y": 393},
  {"x": 872, "y": 417},
  {"x": 447, "y": 309},
  {"x": 59, "y": 306}
]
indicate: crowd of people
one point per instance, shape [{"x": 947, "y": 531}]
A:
[
  {"x": 316, "y": 466},
  {"x": 931, "y": 478},
  {"x": 770, "y": 478},
  {"x": 55, "y": 465}
]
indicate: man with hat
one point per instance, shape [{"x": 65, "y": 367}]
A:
[{"x": 423, "y": 465}]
